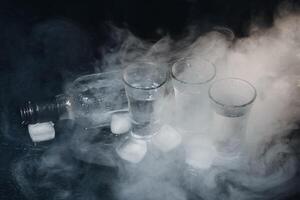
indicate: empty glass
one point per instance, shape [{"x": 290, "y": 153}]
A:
[
  {"x": 231, "y": 99},
  {"x": 145, "y": 87},
  {"x": 191, "y": 78}
]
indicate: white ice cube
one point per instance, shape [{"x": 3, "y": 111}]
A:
[
  {"x": 120, "y": 123},
  {"x": 41, "y": 131},
  {"x": 200, "y": 153},
  {"x": 132, "y": 150},
  {"x": 167, "y": 139}
]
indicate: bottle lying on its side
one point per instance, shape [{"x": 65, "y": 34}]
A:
[{"x": 90, "y": 101}]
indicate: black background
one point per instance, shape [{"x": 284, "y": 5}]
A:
[
  {"x": 20, "y": 80},
  {"x": 143, "y": 18}
]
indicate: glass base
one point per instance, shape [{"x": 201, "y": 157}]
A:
[{"x": 144, "y": 131}]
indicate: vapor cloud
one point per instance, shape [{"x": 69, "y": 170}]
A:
[{"x": 269, "y": 58}]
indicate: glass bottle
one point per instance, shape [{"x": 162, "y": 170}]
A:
[{"x": 90, "y": 100}]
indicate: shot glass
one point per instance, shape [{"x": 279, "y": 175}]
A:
[
  {"x": 191, "y": 78},
  {"x": 231, "y": 100},
  {"x": 145, "y": 86}
]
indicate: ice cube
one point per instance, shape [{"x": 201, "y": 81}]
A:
[
  {"x": 120, "y": 123},
  {"x": 41, "y": 131},
  {"x": 132, "y": 150},
  {"x": 200, "y": 153},
  {"x": 167, "y": 139}
]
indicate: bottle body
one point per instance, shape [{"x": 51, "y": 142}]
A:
[
  {"x": 90, "y": 100},
  {"x": 94, "y": 98}
]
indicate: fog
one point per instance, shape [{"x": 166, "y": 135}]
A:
[{"x": 269, "y": 59}]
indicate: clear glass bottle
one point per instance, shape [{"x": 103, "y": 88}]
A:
[{"x": 90, "y": 100}]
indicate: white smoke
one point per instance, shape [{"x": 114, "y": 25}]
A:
[{"x": 268, "y": 58}]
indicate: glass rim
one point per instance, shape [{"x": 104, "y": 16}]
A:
[
  {"x": 234, "y": 106},
  {"x": 143, "y": 88},
  {"x": 184, "y": 59},
  {"x": 226, "y": 31}
]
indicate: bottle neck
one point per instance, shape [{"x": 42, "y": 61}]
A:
[{"x": 32, "y": 113}]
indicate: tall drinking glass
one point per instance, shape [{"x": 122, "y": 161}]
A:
[
  {"x": 191, "y": 78},
  {"x": 231, "y": 99},
  {"x": 145, "y": 87}
]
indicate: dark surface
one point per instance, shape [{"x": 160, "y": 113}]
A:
[
  {"x": 25, "y": 176},
  {"x": 27, "y": 71}
]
